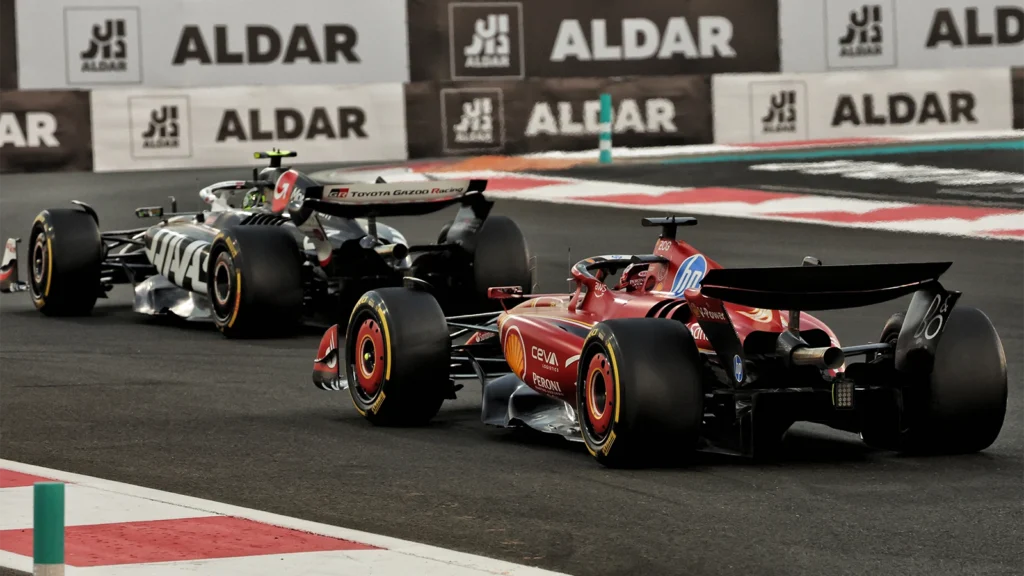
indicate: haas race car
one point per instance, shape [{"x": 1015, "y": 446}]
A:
[
  {"x": 679, "y": 354},
  {"x": 296, "y": 249}
]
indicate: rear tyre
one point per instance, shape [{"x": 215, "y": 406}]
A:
[
  {"x": 497, "y": 255},
  {"x": 963, "y": 404},
  {"x": 397, "y": 357},
  {"x": 254, "y": 281},
  {"x": 501, "y": 258},
  {"x": 960, "y": 407},
  {"x": 65, "y": 256},
  {"x": 640, "y": 398}
]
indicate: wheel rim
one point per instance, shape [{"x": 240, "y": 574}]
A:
[
  {"x": 39, "y": 260},
  {"x": 599, "y": 395},
  {"x": 369, "y": 358},
  {"x": 222, "y": 289}
]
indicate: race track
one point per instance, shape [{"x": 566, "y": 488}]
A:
[{"x": 184, "y": 410}]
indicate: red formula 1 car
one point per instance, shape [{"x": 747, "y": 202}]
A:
[{"x": 682, "y": 354}]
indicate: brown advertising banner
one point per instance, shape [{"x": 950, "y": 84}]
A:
[
  {"x": 517, "y": 117},
  {"x": 1017, "y": 87},
  {"x": 8, "y": 47},
  {"x": 495, "y": 40},
  {"x": 45, "y": 131}
]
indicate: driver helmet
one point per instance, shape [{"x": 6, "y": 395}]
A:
[
  {"x": 257, "y": 196},
  {"x": 633, "y": 277}
]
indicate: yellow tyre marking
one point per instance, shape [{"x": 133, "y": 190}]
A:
[
  {"x": 238, "y": 298},
  {"x": 377, "y": 403},
  {"x": 618, "y": 394},
  {"x": 49, "y": 265},
  {"x": 387, "y": 347},
  {"x": 608, "y": 445}
]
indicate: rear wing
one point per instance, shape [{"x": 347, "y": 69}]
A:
[
  {"x": 820, "y": 287},
  {"x": 358, "y": 200},
  {"x": 815, "y": 287}
]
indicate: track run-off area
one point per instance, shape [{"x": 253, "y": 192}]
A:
[{"x": 183, "y": 410}]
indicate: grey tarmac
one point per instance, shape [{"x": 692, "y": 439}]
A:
[{"x": 184, "y": 410}]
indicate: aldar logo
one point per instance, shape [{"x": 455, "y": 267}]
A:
[
  {"x": 864, "y": 33},
  {"x": 477, "y": 124},
  {"x": 318, "y": 123},
  {"x": 643, "y": 116},
  {"x": 266, "y": 45},
  {"x": 644, "y": 39},
  {"x": 491, "y": 47},
  {"x": 781, "y": 116},
  {"x": 486, "y": 40},
  {"x": 778, "y": 111},
  {"x": 102, "y": 46},
  {"x": 860, "y": 34},
  {"x": 1003, "y": 27},
  {"x": 28, "y": 130},
  {"x": 108, "y": 48},
  {"x": 163, "y": 128},
  {"x": 930, "y": 108},
  {"x": 160, "y": 127},
  {"x": 472, "y": 119}
]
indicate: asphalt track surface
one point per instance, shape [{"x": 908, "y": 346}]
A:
[
  {"x": 930, "y": 190},
  {"x": 184, "y": 410}
]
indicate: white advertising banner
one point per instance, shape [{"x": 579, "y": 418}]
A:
[
  {"x": 195, "y": 43},
  {"x": 150, "y": 129},
  {"x": 821, "y": 36},
  {"x": 754, "y": 108}
]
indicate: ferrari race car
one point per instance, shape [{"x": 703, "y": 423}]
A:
[
  {"x": 310, "y": 250},
  {"x": 681, "y": 354}
]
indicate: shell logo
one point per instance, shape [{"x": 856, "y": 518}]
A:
[{"x": 515, "y": 352}]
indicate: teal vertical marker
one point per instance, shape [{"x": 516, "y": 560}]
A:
[
  {"x": 48, "y": 529},
  {"x": 605, "y": 129}
]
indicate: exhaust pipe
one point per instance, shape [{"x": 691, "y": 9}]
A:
[
  {"x": 396, "y": 251},
  {"x": 828, "y": 358}
]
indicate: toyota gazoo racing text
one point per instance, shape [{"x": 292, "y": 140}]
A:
[
  {"x": 680, "y": 354},
  {"x": 295, "y": 249}
]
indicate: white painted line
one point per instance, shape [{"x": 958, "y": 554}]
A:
[
  {"x": 411, "y": 551},
  {"x": 85, "y": 505}
]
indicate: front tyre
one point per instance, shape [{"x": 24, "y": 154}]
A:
[
  {"x": 254, "y": 281},
  {"x": 640, "y": 398},
  {"x": 397, "y": 357},
  {"x": 65, "y": 256}
]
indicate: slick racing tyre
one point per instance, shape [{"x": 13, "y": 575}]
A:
[
  {"x": 960, "y": 407},
  {"x": 501, "y": 258},
  {"x": 497, "y": 255},
  {"x": 639, "y": 394},
  {"x": 65, "y": 256},
  {"x": 254, "y": 281},
  {"x": 397, "y": 357}
]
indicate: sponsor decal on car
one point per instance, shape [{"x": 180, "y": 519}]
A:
[
  {"x": 180, "y": 259},
  {"x": 689, "y": 274},
  {"x": 546, "y": 384},
  {"x": 547, "y": 359},
  {"x": 704, "y": 313}
]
